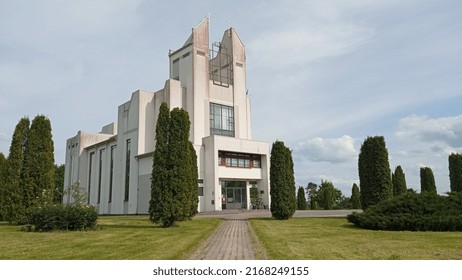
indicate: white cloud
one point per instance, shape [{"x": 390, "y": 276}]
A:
[
  {"x": 446, "y": 130},
  {"x": 307, "y": 32},
  {"x": 329, "y": 150}
]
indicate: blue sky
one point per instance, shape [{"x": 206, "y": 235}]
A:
[{"x": 322, "y": 75}]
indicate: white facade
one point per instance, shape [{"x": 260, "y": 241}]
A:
[{"x": 114, "y": 166}]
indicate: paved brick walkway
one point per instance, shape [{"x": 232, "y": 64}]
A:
[{"x": 232, "y": 241}]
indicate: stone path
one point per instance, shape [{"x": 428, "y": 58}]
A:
[
  {"x": 231, "y": 241},
  {"x": 234, "y": 239}
]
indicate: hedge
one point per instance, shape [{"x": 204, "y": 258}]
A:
[
  {"x": 413, "y": 212},
  {"x": 63, "y": 217}
]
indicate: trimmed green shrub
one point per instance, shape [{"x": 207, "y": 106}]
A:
[
  {"x": 374, "y": 172},
  {"x": 63, "y": 217},
  {"x": 413, "y": 212}
]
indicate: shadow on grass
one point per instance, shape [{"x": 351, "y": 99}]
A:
[
  {"x": 133, "y": 226},
  {"x": 262, "y": 219},
  {"x": 351, "y": 226}
]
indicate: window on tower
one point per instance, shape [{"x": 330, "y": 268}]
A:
[{"x": 221, "y": 120}]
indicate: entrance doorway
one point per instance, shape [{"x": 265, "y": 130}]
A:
[{"x": 234, "y": 194}]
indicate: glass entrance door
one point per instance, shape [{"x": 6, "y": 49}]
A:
[{"x": 234, "y": 195}]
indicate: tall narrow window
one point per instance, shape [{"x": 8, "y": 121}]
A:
[
  {"x": 90, "y": 167},
  {"x": 111, "y": 173},
  {"x": 127, "y": 170},
  {"x": 100, "y": 173},
  {"x": 221, "y": 120}
]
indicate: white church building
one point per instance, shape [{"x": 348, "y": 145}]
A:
[{"x": 207, "y": 80}]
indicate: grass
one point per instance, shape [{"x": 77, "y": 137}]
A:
[
  {"x": 336, "y": 239},
  {"x": 120, "y": 238}
]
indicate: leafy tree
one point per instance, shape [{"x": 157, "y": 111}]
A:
[
  {"x": 311, "y": 191},
  {"x": 329, "y": 197},
  {"x": 399, "y": 181},
  {"x": 282, "y": 182},
  {"x": 12, "y": 207},
  {"x": 374, "y": 172},
  {"x": 37, "y": 175},
  {"x": 455, "y": 172},
  {"x": 59, "y": 184},
  {"x": 301, "y": 200},
  {"x": 427, "y": 180},
  {"x": 355, "y": 197}
]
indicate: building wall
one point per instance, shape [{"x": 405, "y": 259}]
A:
[{"x": 189, "y": 87}]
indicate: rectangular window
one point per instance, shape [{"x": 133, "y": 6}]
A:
[
  {"x": 221, "y": 120},
  {"x": 233, "y": 159},
  {"x": 127, "y": 170},
  {"x": 111, "y": 173},
  {"x": 100, "y": 173},
  {"x": 176, "y": 69},
  {"x": 90, "y": 167},
  {"x": 201, "y": 191}
]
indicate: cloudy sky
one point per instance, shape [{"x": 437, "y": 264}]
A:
[{"x": 322, "y": 75}]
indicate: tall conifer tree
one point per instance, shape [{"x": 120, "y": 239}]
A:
[
  {"x": 427, "y": 180},
  {"x": 161, "y": 200},
  {"x": 39, "y": 164},
  {"x": 455, "y": 172},
  {"x": 179, "y": 164},
  {"x": 355, "y": 197},
  {"x": 12, "y": 198},
  {"x": 282, "y": 182},
  {"x": 194, "y": 194},
  {"x": 374, "y": 172},
  {"x": 399, "y": 181},
  {"x": 174, "y": 183},
  {"x": 3, "y": 161},
  {"x": 301, "y": 199}
]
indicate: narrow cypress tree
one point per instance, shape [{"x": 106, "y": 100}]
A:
[
  {"x": 301, "y": 199},
  {"x": 39, "y": 164},
  {"x": 179, "y": 159},
  {"x": 455, "y": 172},
  {"x": 374, "y": 172},
  {"x": 59, "y": 184},
  {"x": 282, "y": 182},
  {"x": 312, "y": 191},
  {"x": 174, "y": 182},
  {"x": 12, "y": 202},
  {"x": 355, "y": 197},
  {"x": 427, "y": 180},
  {"x": 399, "y": 181},
  {"x": 194, "y": 185},
  {"x": 161, "y": 199},
  {"x": 3, "y": 162},
  {"x": 326, "y": 195}
]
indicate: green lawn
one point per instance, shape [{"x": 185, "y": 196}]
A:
[
  {"x": 336, "y": 239},
  {"x": 120, "y": 238}
]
